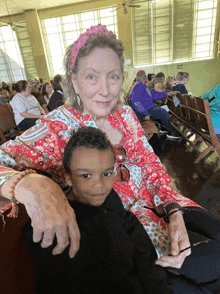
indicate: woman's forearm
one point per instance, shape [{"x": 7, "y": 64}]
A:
[
  {"x": 25, "y": 114},
  {"x": 42, "y": 111}
]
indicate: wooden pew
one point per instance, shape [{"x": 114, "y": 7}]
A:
[
  {"x": 8, "y": 127},
  {"x": 192, "y": 118}
]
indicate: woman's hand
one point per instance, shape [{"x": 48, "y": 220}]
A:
[
  {"x": 50, "y": 212},
  {"x": 179, "y": 241},
  {"x": 172, "y": 93}
]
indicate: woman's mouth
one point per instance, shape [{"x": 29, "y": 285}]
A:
[{"x": 103, "y": 103}]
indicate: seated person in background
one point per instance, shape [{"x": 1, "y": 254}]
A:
[
  {"x": 142, "y": 101},
  {"x": 156, "y": 84},
  {"x": 6, "y": 87},
  {"x": 47, "y": 91},
  {"x": 35, "y": 92},
  {"x": 181, "y": 78},
  {"x": 160, "y": 75},
  {"x": 26, "y": 108},
  {"x": 150, "y": 77},
  {"x": 168, "y": 86},
  {"x": 6, "y": 95},
  {"x": 58, "y": 98},
  {"x": 2, "y": 98},
  {"x": 213, "y": 96},
  {"x": 116, "y": 255}
]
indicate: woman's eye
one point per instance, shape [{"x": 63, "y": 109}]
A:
[
  {"x": 107, "y": 174},
  {"x": 91, "y": 77},
  {"x": 86, "y": 176},
  {"x": 114, "y": 77}
]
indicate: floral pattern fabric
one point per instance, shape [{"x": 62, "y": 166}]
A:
[{"x": 42, "y": 146}]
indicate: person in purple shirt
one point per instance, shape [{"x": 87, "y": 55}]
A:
[{"x": 142, "y": 102}]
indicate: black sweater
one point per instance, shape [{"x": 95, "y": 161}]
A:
[{"x": 115, "y": 256}]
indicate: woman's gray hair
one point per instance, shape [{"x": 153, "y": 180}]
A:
[
  {"x": 168, "y": 80},
  {"x": 155, "y": 81},
  {"x": 181, "y": 75},
  {"x": 94, "y": 41},
  {"x": 141, "y": 76}
]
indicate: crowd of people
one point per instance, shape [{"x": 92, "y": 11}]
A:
[
  {"x": 146, "y": 96},
  {"x": 80, "y": 151},
  {"x": 29, "y": 98}
]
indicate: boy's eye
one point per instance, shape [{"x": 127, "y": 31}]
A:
[
  {"x": 107, "y": 174},
  {"x": 86, "y": 176}
]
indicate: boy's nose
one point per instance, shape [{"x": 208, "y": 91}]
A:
[{"x": 98, "y": 183}]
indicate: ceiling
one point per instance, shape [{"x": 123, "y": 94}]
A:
[{"x": 18, "y": 6}]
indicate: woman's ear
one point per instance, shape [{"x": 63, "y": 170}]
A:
[
  {"x": 74, "y": 82},
  {"x": 68, "y": 178}
]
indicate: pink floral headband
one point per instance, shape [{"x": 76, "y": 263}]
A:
[{"x": 95, "y": 30}]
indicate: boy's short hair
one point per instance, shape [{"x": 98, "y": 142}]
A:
[{"x": 88, "y": 137}]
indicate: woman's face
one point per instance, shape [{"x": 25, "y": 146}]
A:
[
  {"x": 184, "y": 81},
  {"x": 49, "y": 89},
  {"x": 27, "y": 91},
  {"x": 99, "y": 82},
  {"x": 172, "y": 82}
]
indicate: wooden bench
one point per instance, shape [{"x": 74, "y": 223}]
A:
[
  {"x": 8, "y": 128},
  {"x": 192, "y": 118}
]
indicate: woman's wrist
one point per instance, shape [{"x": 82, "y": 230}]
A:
[
  {"x": 172, "y": 209},
  {"x": 22, "y": 191},
  {"x": 5, "y": 187},
  {"x": 175, "y": 213}
]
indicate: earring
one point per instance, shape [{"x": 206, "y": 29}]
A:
[{"x": 78, "y": 100}]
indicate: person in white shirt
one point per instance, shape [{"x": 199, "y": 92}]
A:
[{"x": 26, "y": 108}]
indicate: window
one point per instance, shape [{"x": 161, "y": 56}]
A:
[
  {"x": 26, "y": 51},
  {"x": 204, "y": 28},
  {"x": 173, "y": 30},
  {"x": 60, "y": 32},
  {"x": 11, "y": 64}
]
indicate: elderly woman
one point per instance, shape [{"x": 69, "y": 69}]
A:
[
  {"x": 26, "y": 108},
  {"x": 182, "y": 78},
  {"x": 94, "y": 73}
]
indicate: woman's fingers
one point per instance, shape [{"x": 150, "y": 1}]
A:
[
  {"x": 173, "y": 261},
  {"x": 47, "y": 238},
  {"x": 62, "y": 239},
  {"x": 37, "y": 235},
  {"x": 74, "y": 235}
]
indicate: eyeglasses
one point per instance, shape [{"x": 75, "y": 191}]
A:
[{"x": 123, "y": 174}]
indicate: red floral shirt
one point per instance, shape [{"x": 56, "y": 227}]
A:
[{"x": 42, "y": 147}]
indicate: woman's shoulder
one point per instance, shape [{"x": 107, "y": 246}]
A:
[{"x": 129, "y": 121}]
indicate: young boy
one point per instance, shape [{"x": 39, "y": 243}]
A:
[{"x": 115, "y": 255}]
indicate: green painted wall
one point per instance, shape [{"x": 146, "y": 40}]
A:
[{"x": 204, "y": 74}]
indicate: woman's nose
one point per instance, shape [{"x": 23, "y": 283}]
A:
[{"x": 104, "y": 87}]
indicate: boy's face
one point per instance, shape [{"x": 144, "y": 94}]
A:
[{"x": 92, "y": 175}]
